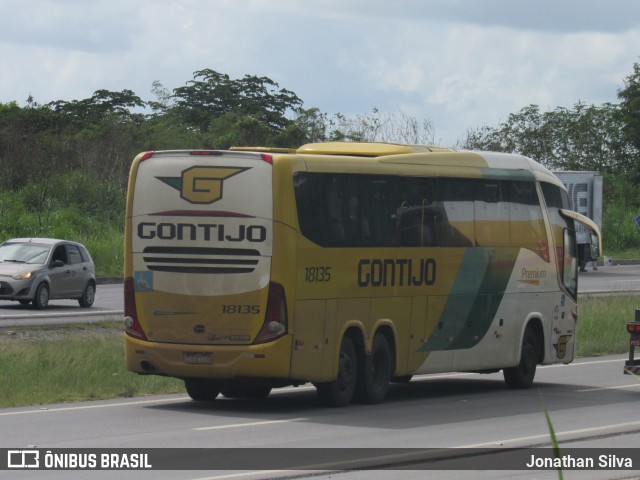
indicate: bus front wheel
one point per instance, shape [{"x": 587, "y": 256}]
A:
[
  {"x": 339, "y": 392},
  {"x": 202, "y": 389},
  {"x": 521, "y": 376},
  {"x": 375, "y": 372}
]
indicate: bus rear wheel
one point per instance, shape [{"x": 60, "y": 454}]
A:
[
  {"x": 521, "y": 376},
  {"x": 375, "y": 372},
  {"x": 202, "y": 389},
  {"x": 339, "y": 392}
]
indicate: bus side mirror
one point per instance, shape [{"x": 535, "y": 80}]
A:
[{"x": 595, "y": 238}]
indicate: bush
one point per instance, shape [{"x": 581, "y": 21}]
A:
[
  {"x": 621, "y": 205},
  {"x": 72, "y": 206}
]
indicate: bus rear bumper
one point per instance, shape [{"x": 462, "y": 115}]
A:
[{"x": 269, "y": 360}]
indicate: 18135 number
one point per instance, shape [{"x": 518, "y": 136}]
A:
[
  {"x": 317, "y": 274},
  {"x": 241, "y": 309}
]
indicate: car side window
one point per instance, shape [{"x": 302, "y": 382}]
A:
[
  {"x": 60, "y": 253},
  {"x": 75, "y": 256}
]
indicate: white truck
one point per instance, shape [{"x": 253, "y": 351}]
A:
[{"x": 585, "y": 197}]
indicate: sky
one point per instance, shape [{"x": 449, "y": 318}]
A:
[{"x": 461, "y": 64}]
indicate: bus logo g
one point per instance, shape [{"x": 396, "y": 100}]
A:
[{"x": 201, "y": 185}]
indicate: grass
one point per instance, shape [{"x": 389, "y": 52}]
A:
[
  {"x": 602, "y": 324},
  {"x": 70, "y": 363},
  {"x": 552, "y": 436},
  {"x": 626, "y": 254},
  {"x": 53, "y": 364}
]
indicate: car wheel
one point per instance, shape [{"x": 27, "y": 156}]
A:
[
  {"x": 41, "y": 300},
  {"x": 88, "y": 296}
]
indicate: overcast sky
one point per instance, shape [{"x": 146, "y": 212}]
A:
[{"x": 460, "y": 63}]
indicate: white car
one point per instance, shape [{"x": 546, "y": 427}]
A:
[{"x": 36, "y": 270}]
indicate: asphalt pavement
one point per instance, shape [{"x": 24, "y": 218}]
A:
[{"x": 616, "y": 278}]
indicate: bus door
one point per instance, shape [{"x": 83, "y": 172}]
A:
[{"x": 565, "y": 314}]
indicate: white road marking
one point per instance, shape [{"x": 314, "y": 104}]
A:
[
  {"x": 559, "y": 435},
  {"x": 617, "y": 387},
  {"x": 252, "y": 424},
  {"x": 90, "y": 407}
]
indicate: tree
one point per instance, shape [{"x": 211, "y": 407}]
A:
[
  {"x": 630, "y": 106},
  {"x": 163, "y": 98},
  {"x": 103, "y": 104},
  {"x": 308, "y": 126},
  {"x": 211, "y": 95},
  {"x": 376, "y": 126},
  {"x": 586, "y": 137}
]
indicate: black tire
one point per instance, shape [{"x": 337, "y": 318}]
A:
[
  {"x": 88, "y": 296},
  {"x": 375, "y": 372},
  {"x": 41, "y": 298},
  {"x": 245, "y": 390},
  {"x": 402, "y": 379},
  {"x": 339, "y": 392},
  {"x": 521, "y": 376},
  {"x": 201, "y": 389}
]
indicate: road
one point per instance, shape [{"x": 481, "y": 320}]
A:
[
  {"x": 590, "y": 403},
  {"x": 617, "y": 279},
  {"x": 108, "y": 305}
]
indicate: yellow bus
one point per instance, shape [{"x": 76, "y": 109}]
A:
[{"x": 347, "y": 265}]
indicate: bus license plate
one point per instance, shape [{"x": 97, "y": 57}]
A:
[{"x": 198, "y": 358}]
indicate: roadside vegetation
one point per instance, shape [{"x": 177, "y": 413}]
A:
[
  {"x": 65, "y": 170},
  {"x": 65, "y": 164},
  {"x": 54, "y": 364},
  {"x": 77, "y": 362},
  {"x": 602, "y": 324}
]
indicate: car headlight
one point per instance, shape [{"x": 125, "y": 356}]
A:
[{"x": 22, "y": 275}]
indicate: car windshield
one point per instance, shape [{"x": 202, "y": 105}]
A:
[{"x": 24, "y": 253}]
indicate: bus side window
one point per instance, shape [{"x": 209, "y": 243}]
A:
[
  {"x": 416, "y": 214},
  {"x": 310, "y": 201},
  {"x": 456, "y": 224},
  {"x": 377, "y": 213},
  {"x": 556, "y": 198},
  {"x": 527, "y": 224},
  {"x": 337, "y": 211},
  {"x": 491, "y": 214},
  {"x": 570, "y": 263}
]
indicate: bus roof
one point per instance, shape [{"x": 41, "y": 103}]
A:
[
  {"x": 391, "y": 153},
  {"x": 414, "y": 154},
  {"x": 366, "y": 149}
]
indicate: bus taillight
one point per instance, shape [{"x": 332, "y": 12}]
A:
[
  {"x": 146, "y": 156},
  {"x": 275, "y": 319},
  {"x": 131, "y": 325}
]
